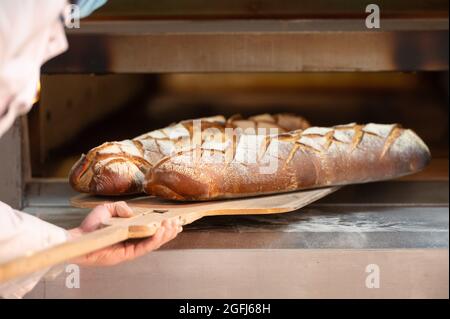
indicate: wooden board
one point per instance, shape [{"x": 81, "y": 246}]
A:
[{"x": 149, "y": 213}]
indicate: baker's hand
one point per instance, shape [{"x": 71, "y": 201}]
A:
[{"x": 126, "y": 250}]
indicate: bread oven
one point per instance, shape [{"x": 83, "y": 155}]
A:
[{"x": 134, "y": 68}]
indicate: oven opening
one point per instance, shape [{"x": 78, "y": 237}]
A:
[{"x": 78, "y": 112}]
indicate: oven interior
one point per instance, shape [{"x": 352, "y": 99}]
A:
[{"x": 78, "y": 112}]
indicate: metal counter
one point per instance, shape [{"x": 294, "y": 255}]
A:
[{"x": 322, "y": 250}]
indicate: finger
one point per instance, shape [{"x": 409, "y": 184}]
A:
[
  {"x": 99, "y": 215},
  {"x": 119, "y": 209},
  {"x": 171, "y": 227},
  {"x": 179, "y": 226},
  {"x": 176, "y": 228},
  {"x": 123, "y": 210},
  {"x": 165, "y": 233},
  {"x": 145, "y": 246}
]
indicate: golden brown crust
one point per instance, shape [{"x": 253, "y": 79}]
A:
[
  {"x": 315, "y": 157},
  {"x": 119, "y": 168}
]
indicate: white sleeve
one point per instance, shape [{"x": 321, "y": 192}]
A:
[
  {"x": 31, "y": 33},
  {"x": 21, "y": 234}
]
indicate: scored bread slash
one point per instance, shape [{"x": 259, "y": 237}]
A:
[
  {"x": 303, "y": 159},
  {"x": 119, "y": 168}
]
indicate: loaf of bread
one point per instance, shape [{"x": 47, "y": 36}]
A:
[
  {"x": 311, "y": 158},
  {"x": 119, "y": 168}
]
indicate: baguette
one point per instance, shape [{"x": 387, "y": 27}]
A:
[
  {"x": 119, "y": 168},
  {"x": 311, "y": 158}
]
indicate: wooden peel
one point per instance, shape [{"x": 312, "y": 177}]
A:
[{"x": 150, "y": 212}]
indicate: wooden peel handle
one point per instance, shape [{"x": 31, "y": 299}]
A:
[
  {"x": 117, "y": 230},
  {"x": 146, "y": 222},
  {"x": 55, "y": 255}
]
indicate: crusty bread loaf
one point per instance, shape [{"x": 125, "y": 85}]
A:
[
  {"x": 119, "y": 168},
  {"x": 315, "y": 157}
]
